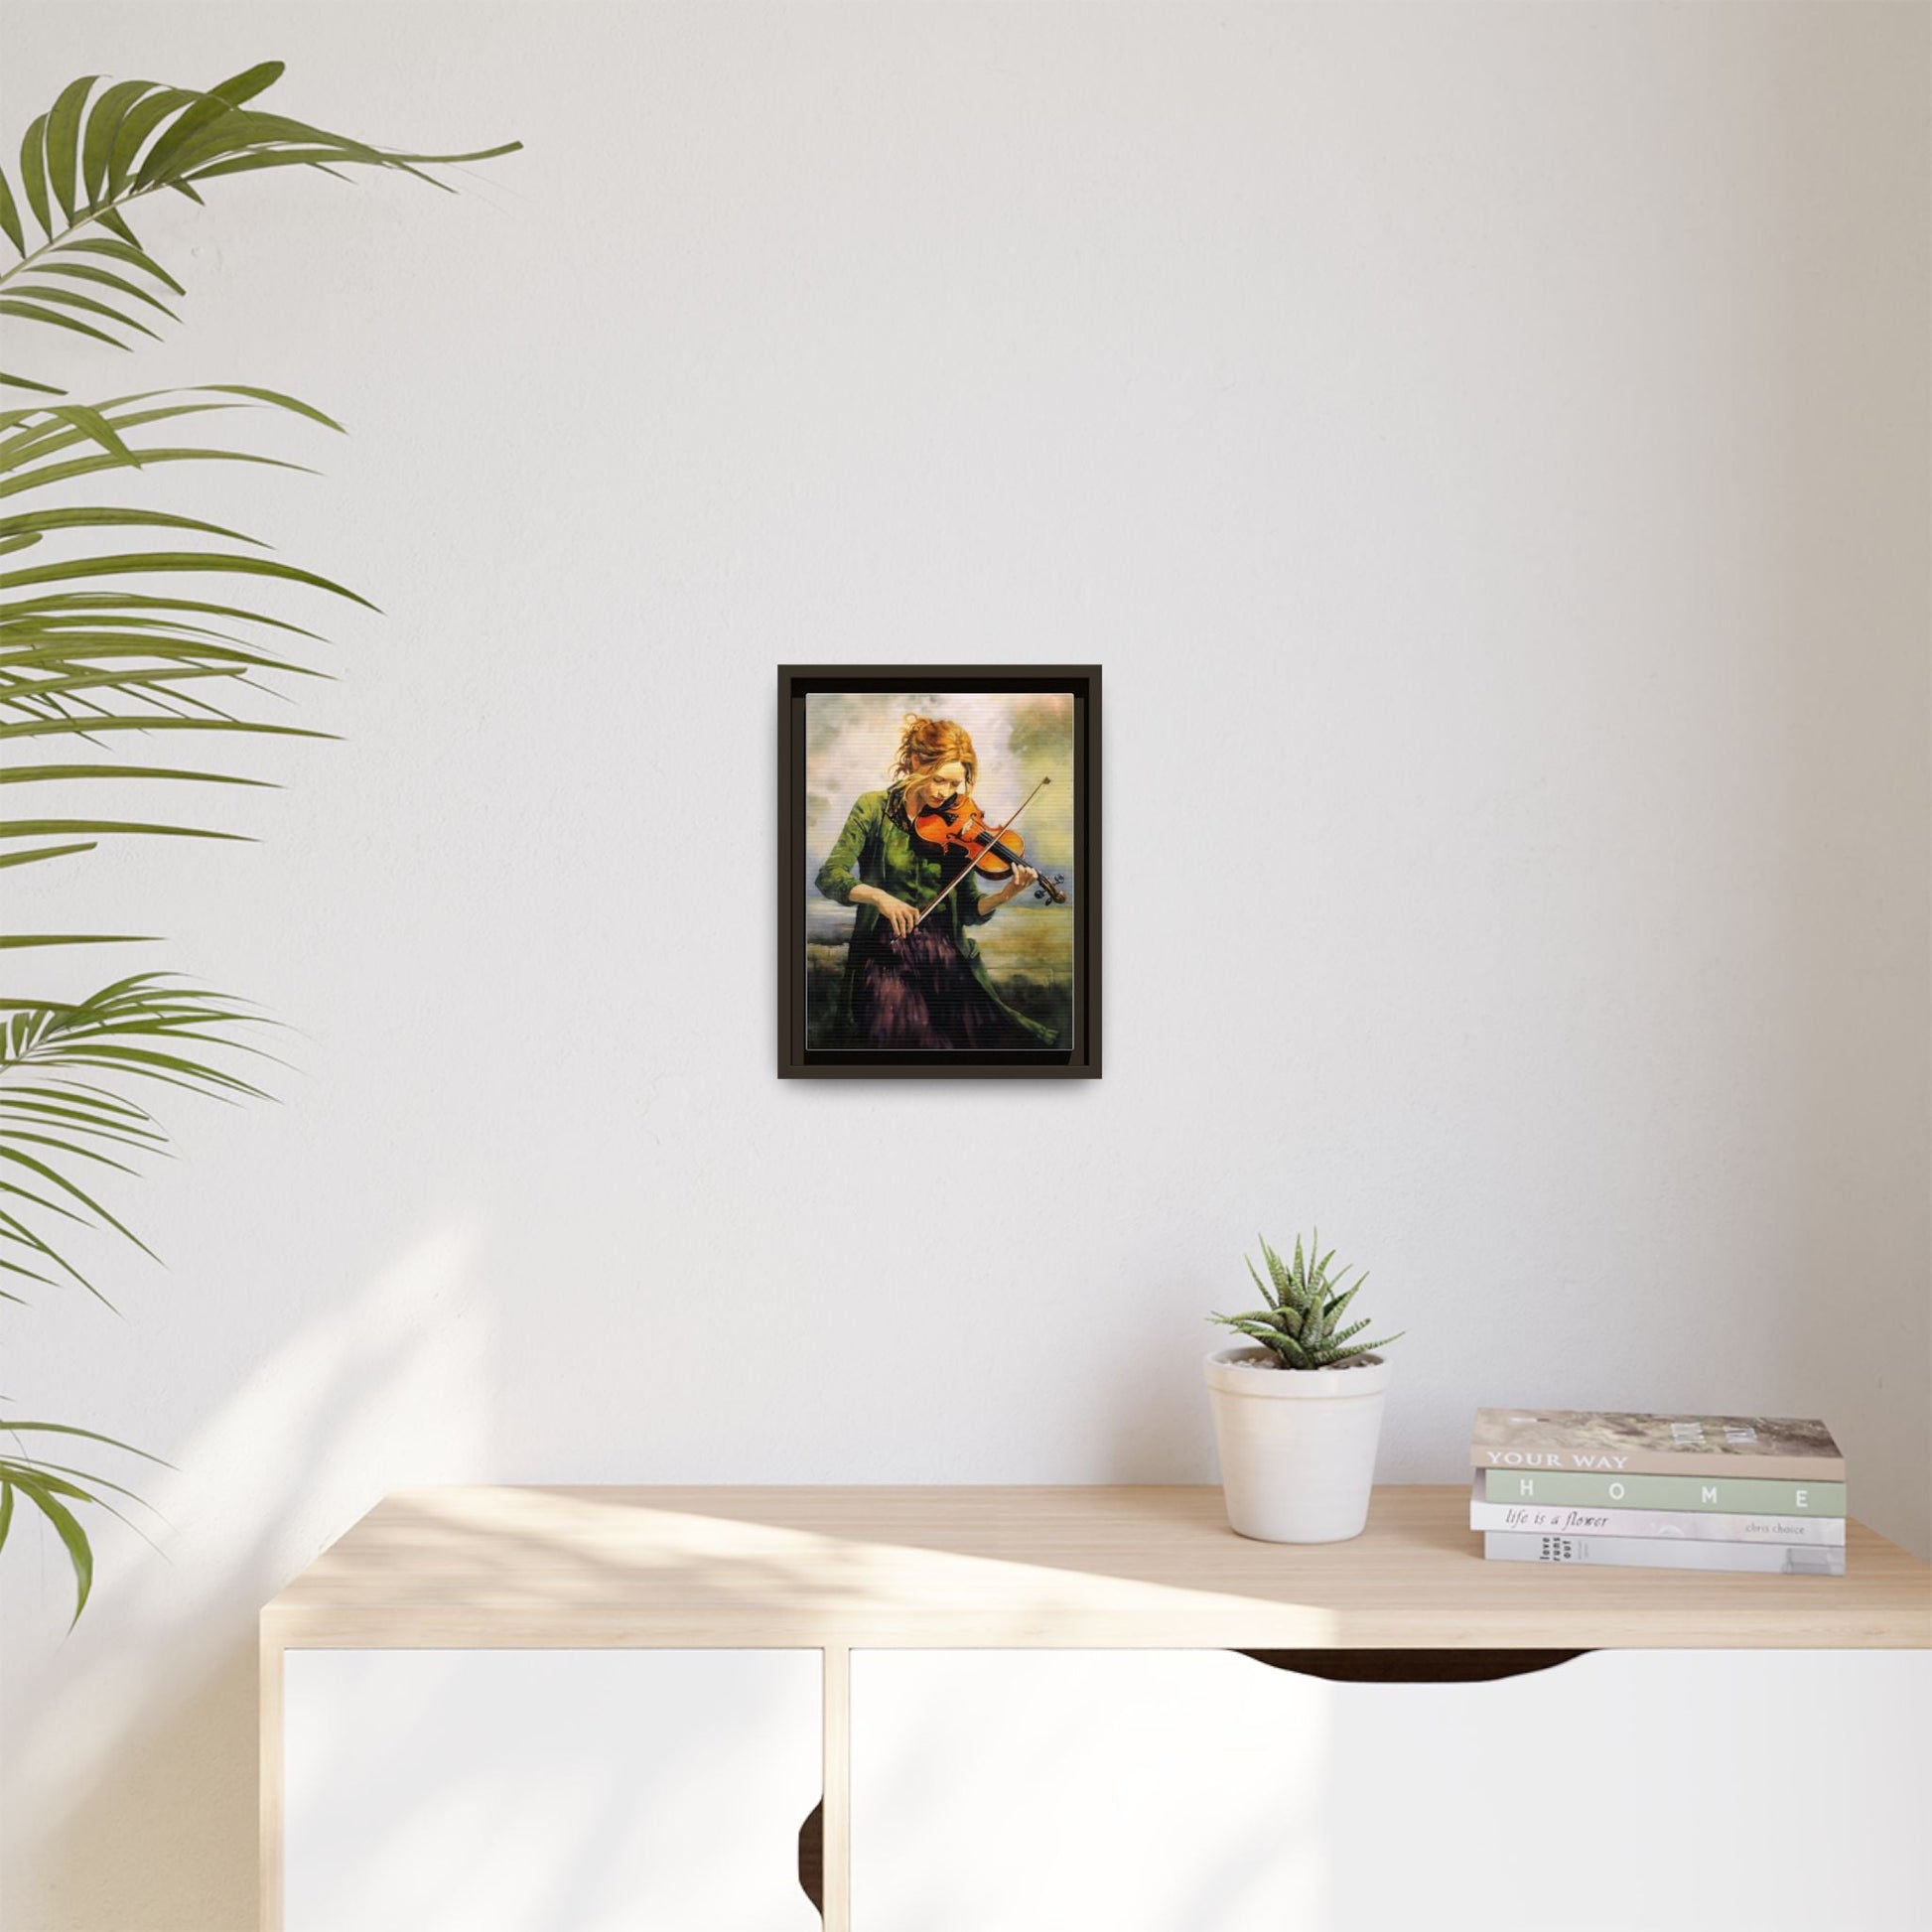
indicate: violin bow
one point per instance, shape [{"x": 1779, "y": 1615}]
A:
[{"x": 972, "y": 865}]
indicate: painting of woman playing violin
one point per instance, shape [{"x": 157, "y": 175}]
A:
[{"x": 941, "y": 917}]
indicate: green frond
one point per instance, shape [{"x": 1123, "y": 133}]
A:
[
  {"x": 81, "y": 658},
  {"x": 9, "y": 216},
  {"x": 121, "y": 251},
  {"x": 27, "y": 941},
  {"x": 42, "y": 522},
  {"x": 33, "y": 174},
  {"x": 62, "y": 773},
  {"x": 41, "y": 854},
  {"x": 60, "y": 472},
  {"x": 10, "y": 1426},
  {"x": 41, "y": 1490},
  {"x": 91, "y": 725},
  {"x": 105, "y": 278},
  {"x": 103, "y": 122},
  {"x": 55, "y": 1489},
  {"x": 83, "y": 165},
  {"x": 23, "y": 310},
  {"x": 18, "y": 828},
  {"x": 65, "y": 298},
  {"x": 148, "y": 563},
  {"x": 64, "y": 142},
  {"x": 145, "y": 1027}
]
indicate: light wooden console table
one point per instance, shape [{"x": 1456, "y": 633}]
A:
[{"x": 839, "y": 1570}]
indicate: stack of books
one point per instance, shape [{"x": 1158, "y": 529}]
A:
[{"x": 1658, "y": 1492}]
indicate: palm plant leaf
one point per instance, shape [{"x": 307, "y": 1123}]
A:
[
  {"x": 54, "y": 1113},
  {"x": 56, "y": 774},
  {"x": 36, "y": 525},
  {"x": 40, "y": 1489},
  {"x": 53, "y": 1487},
  {"x": 97, "y": 643},
  {"x": 12, "y": 1426},
  {"x": 91, "y": 156},
  {"x": 83, "y": 657},
  {"x": 22, "y": 941},
  {"x": 41, "y": 854},
  {"x": 147, "y": 563}
]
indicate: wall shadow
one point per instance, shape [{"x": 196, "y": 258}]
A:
[{"x": 141, "y": 1727}]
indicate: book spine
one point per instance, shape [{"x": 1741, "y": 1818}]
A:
[
  {"x": 1646, "y": 1552},
  {"x": 1688, "y": 1525},
  {"x": 1732, "y": 1495},
  {"x": 1659, "y": 1462}
]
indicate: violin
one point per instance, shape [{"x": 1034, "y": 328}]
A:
[{"x": 992, "y": 849}]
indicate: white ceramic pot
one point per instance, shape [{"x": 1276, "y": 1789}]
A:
[{"x": 1297, "y": 1446}]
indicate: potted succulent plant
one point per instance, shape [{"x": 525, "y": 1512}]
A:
[{"x": 1298, "y": 1413}]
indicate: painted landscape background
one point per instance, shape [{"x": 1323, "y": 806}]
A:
[{"x": 851, "y": 739}]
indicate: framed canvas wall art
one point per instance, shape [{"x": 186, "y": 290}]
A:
[{"x": 939, "y": 871}]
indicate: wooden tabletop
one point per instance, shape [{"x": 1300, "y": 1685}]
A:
[{"x": 911, "y": 1567}]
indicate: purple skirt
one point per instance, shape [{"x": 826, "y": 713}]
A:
[{"x": 920, "y": 990}]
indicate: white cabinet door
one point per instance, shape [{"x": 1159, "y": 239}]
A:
[
  {"x": 1201, "y": 1791},
  {"x": 548, "y": 1791}
]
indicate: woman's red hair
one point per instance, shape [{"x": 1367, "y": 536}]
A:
[{"x": 928, "y": 742}]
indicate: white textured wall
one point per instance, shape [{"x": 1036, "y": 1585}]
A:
[{"x": 1486, "y": 448}]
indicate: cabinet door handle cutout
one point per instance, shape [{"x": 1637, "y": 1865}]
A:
[
  {"x": 811, "y": 1857},
  {"x": 1411, "y": 1666}
]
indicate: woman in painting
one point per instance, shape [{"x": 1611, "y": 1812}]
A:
[{"x": 908, "y": 982}]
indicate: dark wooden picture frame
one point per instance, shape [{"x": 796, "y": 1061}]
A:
[{"x": 1077, "y": 1058}]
